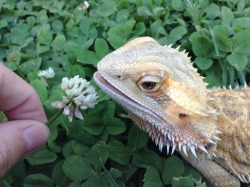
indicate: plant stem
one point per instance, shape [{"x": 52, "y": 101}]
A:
[
  {"x": 111, "y": 180},
  {"x": 19, "y": 70},
  {"x": 7, "y": 45},
  {"x": 52, "y": 119},
  {"x": 247, "y": 69}
]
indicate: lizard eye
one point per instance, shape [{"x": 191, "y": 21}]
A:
[{"x": 148, "y": 85}]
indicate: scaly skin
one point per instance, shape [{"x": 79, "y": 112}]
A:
[{"x": 167, "y": 98}]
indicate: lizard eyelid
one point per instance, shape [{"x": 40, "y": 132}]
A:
[{"x": 150, "y": 78}]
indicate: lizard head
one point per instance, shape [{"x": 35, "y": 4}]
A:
[{"x": 161, "y": 91}]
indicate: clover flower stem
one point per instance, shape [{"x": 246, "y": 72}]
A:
[
  {"x": 7, "y": 45},
  {"x": 55, "y": 115},
  {"x": 19, "y": 71},
  {"x": 111, "y": 179},
  {"x": 44, "y": 81},
  {"x": 248, "y": 70}
]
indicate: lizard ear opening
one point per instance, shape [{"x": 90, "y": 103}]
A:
[{"x": 182, "y": 116}]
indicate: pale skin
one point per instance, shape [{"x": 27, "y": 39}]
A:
[{"x": 25, "y": 131}]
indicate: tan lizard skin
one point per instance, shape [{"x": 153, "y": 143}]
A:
[{"x": 165, "y": 96}]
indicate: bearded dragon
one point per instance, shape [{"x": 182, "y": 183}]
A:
[{"x": 166, "y": 97}]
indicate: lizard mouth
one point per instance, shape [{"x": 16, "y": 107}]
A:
[{"x": 118, "y": 96}]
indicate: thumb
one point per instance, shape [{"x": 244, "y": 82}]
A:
[{"x": 19, "y": 138}]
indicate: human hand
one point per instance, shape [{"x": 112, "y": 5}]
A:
[{"x": 24, "y": 132}]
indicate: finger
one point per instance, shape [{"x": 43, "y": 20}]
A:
[
  {"x": 18, "y": 99},
  {"x": 18, "y": 138}
]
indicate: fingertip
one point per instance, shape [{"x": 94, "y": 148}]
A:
[
  {"x": 19, "y": 138},
  {"x": 35, "y": 136}
]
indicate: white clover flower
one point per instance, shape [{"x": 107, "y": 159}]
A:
[
  {"x": 84, "y": 5},
  {"x": 48, "y": 73},
  {"x": 78, "y": 94}
]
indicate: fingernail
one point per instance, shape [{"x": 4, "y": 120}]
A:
[{"x": 35, "y": 136}]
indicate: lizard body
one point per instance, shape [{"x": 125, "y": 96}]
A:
[{"x": 165, "y": 96}]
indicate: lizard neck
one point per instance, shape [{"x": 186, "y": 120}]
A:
[
  {"x": 231, "y": 105},
  {"x": 233, "y": 120},
  {"x": 233, "y": 108}
]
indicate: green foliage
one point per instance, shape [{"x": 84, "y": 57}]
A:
[
  {"x": 106, "y": 148},
  {"x": 77, "y": 168},
  {"x": 152, "y": 178},
  {"x": 38, "y": 180},
  {"x": 173, "y": 167},
  {"x": 183, "y": 182}
]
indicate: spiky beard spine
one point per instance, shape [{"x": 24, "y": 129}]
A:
[{"x": 172, "y": 139}]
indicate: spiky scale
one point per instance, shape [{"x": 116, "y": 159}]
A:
[
  {"x": 206, "y": 135},
  {"x": 159, "y": 142},
  {"x": 173, "y": 147},
  {"x": 150, "y": 133},
  {"x": 192, "y": 148},
  {"x": 201, "y": 147},
  {"x": 160, "y": 147},
  {"x": 184, "y": 148},
  {"x": 215, "y": 137},
  {"x": 218, "y": 132},
  {"x": 168, "y": 146},
  {"x": 210, "y": 141},
  {"x": 180, "y": 146},
  {"x": 243, "y": 178},
  {"x": 173, "y": 138},
  {"x": 239, "y": 176}
]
